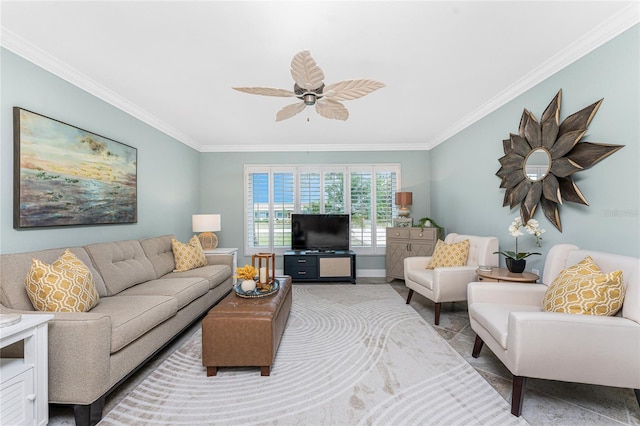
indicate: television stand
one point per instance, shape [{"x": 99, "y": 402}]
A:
[{"x": 320, "y": 266}]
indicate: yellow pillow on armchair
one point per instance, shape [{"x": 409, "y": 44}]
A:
[
  {"x": 447, "y": 255},
  {"x": 584, "y": 289}
]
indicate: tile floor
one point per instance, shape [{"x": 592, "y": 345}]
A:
[{"x": 546, "y": 402}]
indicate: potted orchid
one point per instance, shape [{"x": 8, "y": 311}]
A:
[{"x": 515, "y": 260}]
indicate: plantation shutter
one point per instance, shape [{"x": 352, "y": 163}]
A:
[{"x": 361, "y": 203}]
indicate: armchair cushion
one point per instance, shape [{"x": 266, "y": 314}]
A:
[
  {"x": 448, "y": 255},
  {"x": 583, "y": 289}
]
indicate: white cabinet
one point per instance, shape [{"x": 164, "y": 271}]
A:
[{"x": 24, "y": 381}]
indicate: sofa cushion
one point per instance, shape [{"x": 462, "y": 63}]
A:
[
  {"x": 214, "y": 274},
  {"x": 15, "y": 266},
  {"x": 188, "y": 256},
  {"x": 159, "y": 253},
  {"x": 185, "y": 290},
  {"x": 584, "y": 289},
  {"x": 448, "y": 255},
  {"x": 64, "y": 286},
  {"x": 132, "y": 316},
  {"x": 122, "y": 264}
]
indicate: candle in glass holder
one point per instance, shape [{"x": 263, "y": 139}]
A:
[{"x": 263, "y": 274}]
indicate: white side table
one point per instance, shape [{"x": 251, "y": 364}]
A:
[
  {"x": 24, "y": 382},
  {"x": 231, "y": 251}
]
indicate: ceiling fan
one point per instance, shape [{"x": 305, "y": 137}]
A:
[{"x": 309, "y": 87}]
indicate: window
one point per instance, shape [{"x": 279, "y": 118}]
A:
[{"x": 273, "y": 193}]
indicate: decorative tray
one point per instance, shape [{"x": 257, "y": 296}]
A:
[{"x": 255, "y": 292}]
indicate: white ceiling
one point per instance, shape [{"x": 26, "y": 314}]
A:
[{"x": 172, "y": 64}]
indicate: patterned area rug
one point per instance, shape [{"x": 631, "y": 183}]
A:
[{"x": 350, "y": 354}]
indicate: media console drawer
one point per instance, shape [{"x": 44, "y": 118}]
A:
[{"x": 339, "y": 265}]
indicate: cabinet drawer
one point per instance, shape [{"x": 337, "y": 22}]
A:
[
  {"x": 299, "y": 261},
  {"x": 426, "y": 234},
  {"x": 398, "y": 233}
]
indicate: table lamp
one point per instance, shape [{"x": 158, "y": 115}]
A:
[
  {"x": 206, "y": 224},
  {"x": 404, "y": 199}
]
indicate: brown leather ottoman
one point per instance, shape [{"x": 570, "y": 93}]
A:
[{"x": 240, "y": 332}]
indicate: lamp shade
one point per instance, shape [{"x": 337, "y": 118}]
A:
[
  {"x": 404, "y": 198},
  {"x": 205, "y": 222}
]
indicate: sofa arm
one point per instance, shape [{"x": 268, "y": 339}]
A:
[
  {"x": 221, "y": 259},
  {"x": 602, "y": 350},
  {"x": 79, "y": 357},
  {"x": 506, "y": 293}
]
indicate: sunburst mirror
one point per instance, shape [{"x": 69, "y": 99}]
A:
[{"x": 540, "y": 160}]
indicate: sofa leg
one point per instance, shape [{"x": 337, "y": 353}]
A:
[
  {"x": 477, "y": 347},
  {"x": 89, "y": 415},
  {"x": 437, "y": 317},
  {"x": 637, "y": 392},
  {"x": 517, "y": 395},
  {"x": 409, "y": 296}
]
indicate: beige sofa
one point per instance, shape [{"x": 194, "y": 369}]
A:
[{"x": 143, "y": 306}]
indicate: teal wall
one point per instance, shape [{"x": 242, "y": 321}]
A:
[
  {"x": 222, "y": 188},
  {"x": 466, "y": 197},
  {"x": 168, "y": 191},
  {"x": 454, "y": 183}
]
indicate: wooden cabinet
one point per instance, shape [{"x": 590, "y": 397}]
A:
[
  {"x": 407, "y": 242},
  {"x": 339, "y": 265}
]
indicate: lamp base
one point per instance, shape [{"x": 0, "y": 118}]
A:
[
  {"x": 404, "y": 211},
  {"x": 208, "y": 240}
]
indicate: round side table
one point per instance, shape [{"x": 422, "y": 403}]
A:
[{"x": 503, "y": 275}]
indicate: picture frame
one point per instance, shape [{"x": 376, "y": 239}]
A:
[{"x": 68, "y": 176}]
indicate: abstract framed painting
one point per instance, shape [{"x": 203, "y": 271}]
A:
[{"x": 67, "y": 176}]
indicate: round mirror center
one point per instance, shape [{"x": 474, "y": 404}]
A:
[{"x": 537, "y": 164}]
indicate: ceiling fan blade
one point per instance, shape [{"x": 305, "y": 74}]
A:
[
  {"x": 265, "y": 91},
  {"x": 305, "y": 72},
  {"x": 290, "y": 110},
  {"x": 331, "y": 109},
  {"x": 351, "y": 89}
]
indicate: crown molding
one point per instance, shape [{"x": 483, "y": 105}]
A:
[
  {"x": 608, "y": 30},
  {"x": 50, "y": 63},
  {"x": 315, "y": 148}
]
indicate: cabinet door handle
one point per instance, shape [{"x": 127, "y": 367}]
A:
[
  {"x": 302, "y": 273},
  {"x": 31, "y": 397},
  {"x": 302, "y": 260}
]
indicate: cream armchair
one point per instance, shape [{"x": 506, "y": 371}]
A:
[
  {"x": 601, "y": 350},
  {"x": 449, "y": 284}
]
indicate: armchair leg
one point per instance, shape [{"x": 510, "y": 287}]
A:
[
  {"x": 517, "y": 395},
  {"x": 637, "y": 392},
  {"x": 437, "y": 318},
  {"x": 477, "y": 347},
  {"x": 409, "y": 296}
]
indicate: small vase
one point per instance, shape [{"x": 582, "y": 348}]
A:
[
  {"x": 515, "y": 266},
  {"x": 248, "y": 285}
]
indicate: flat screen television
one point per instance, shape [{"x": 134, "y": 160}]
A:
[{"x": 322, "y": 232}]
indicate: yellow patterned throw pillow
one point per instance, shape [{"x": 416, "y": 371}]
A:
[
  {"x": 188, "y": 256},
  {"x": 447, "y": 255},
  {"x": 64, "y": 286},
  {"x": 584, "y": 289}
]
